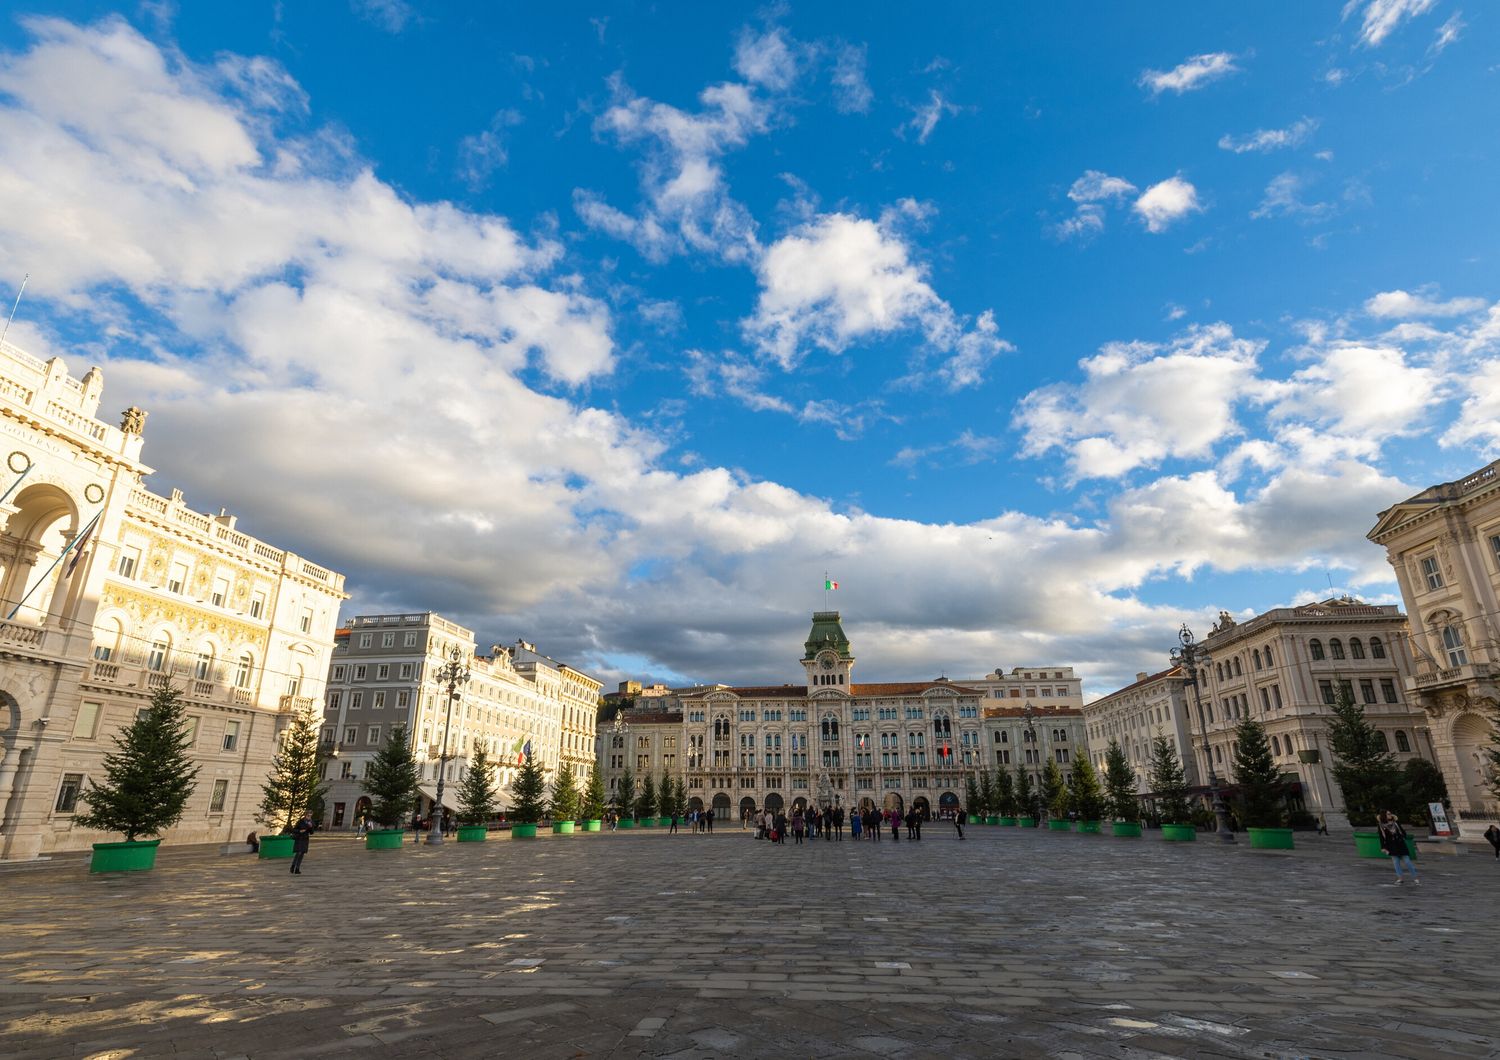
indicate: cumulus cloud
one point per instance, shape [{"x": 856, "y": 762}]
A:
[
  {"x": 766, "y": 59},
  {"x": 1263, "y": 140},
  {"x": 1403, "y": 305},
  {"x": 1380, "y": 18},
  {"x": 1091, "y": 192},
  {"x": 851, "y": 91},
  {"x": 1167, "y": 202},
  {"x": 1357, "y": 391},
  {"x": 1191, "y": 74},
  {"x": 840, "y": 278},
  {"x": 1141, "y": 403}
]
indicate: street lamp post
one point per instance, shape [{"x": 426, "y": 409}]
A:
[
  {"x": 618, "y": 731},
  {"x": 1029, "y": 715},
  {"x": 1190, "y": 657},
  {"x": 454, "y": 673}
]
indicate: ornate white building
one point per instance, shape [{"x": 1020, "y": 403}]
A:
[
  {"x": 153, "y": 594},
  {"x": 1154, "y": 704},
  {"x": 1444, "y": 544},
  {"x": 829, "y": 740}
]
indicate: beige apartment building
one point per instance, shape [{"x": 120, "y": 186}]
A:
[
  {"x": 1152, "y": 705},
  {"x": 153, "y": 594},
  {"x": 1444, "y": 545},
  {"x": 1285, "y": 667}
]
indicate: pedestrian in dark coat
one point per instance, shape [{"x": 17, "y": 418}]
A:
[
  {"x": 1393, "y": 842},
  {"x": 301, "y": 835},
  {"x": 1493, "y": 835}
]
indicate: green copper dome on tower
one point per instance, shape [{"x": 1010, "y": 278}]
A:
[{"x": 827, "y": 633}]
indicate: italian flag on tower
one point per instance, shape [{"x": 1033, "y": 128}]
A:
[{"x": 827, "y": 584}]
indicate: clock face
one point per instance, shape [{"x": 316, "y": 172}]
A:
[{"x": 827, "y": 663}]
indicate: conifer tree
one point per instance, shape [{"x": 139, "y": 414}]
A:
[
  {"x": 1168, "y": 781},
  {"x": 294, "y": 784},
  {"x": 645, "y": 803},
  {"x": 974, "y": 801},
  {"x": 476, "y": 792},
  {"x": 679, "y": 796},
  {"x": 666, "y": 800},
  {"x": 148, "y": 777},
  {"x": 1119, "y": 785},
  {"x": 1026, "y": 801},
  {"x": 1084, "y": 795},
  {"x": 1054, "y": 791},
  {"x": 1365, "y": 771},
  {"x": 564, "y": 794},
  {"x": 1258, "y": 777},
  {"x": 391, "y": 782},
  {"x": 624, "y": 799},
  {"x": 1005, "y": 793},
  {"x": 528, "y": 792},
  {"x": 593, "y": 796},
  {"x": 988, "y": 798}
]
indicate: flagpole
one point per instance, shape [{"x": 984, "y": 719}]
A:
[
  {"x": 19, "y": 478},
  {"x": 48, "y": 572}
]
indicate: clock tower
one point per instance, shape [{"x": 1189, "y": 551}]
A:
[{"x": 826, "y": 657}]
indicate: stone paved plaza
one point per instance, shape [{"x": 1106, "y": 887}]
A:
[{"x": 1013, "y": 943}]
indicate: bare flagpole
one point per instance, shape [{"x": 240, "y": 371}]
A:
[{"x": 13, "y": 308}]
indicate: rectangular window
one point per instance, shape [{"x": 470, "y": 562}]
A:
[
  {"x": 130, "y": 559},
  {"x": 346, "y": 772},
  {"x": 102, "y": 652},
  {"x": 403, "y": 699},
  {"x": 257, "y": 604},
  {"x": 1367, "y": 691},
  {"x": 88, "y": 718},
  {"x": 1325, "y": 689},
  {"x": 364, "y": 640},
  {"x": 334, "y": 699},
  {"x": 221, "y": 792},
  {"x": 221, "y": 591},
  {"x": 1432, "y": 572},
  {"x": 178, "y": 578},
  {"x": 231, "y": 735},
  {"x": 409, "y": 640},
  {"x": 372, "y": 737},
  {"x": 383, "y": 672},
  {"x": 1047, "y": 692},
  {"x": 404, "y": 673},
  {"x": 388, "y": 640},
  {"x": 351, "y": 734},
  {"x": 1388, "y": 690},
  {"x": 356, "y": 700},
  {"x": 304, "y": 622},
  {"x": 1495, "y": 547},
  {"x": 338, "y": 673},
  {"x": 68, "y": 792},
  {"x": 201, "y": 665},
  {"x": 1265, "y": 700},
  {"x": 156, "y": 658},
  {"x": 379, "y": 702},
  {"x": 359, "y": 673},
  {"x": 191, "y": 729}
]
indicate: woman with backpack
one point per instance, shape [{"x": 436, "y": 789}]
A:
[{"x": 1393, "y": 842}]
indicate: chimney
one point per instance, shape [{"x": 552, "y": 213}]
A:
[{"x": 1142, "y": 675}]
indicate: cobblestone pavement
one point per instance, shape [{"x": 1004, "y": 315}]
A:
[{"x": 1013, "y": 943}]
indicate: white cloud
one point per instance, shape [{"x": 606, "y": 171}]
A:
[
  {"x": 1164, "y": 203},
  {"x": 1403, "y": 305},
  {"x": 1190, "y": 74},
  {"x": 1285, "y": 197},
  {"x": 1478, "y": 422},
  {"x": 925, "y": 116},
  {"x": 841, "y": 278},
  {"x": 1448, "y": 33},
  {"x": 1141, "y": 403},
  {"x": 1380, "y": 18},
  {"x": 1097, "y": 186},
  {"x": 967, "y": 449},
  {"x": 766, "y": 59},
  {"x": 1357, "y": 391},
  {"x": 1086, "y": 223},
  {"x": 851, "y": 91},
  {"x": 1263, "y": 140},
  {"x": 481, "y": 154},
  {"x": 390, "y": 15}
]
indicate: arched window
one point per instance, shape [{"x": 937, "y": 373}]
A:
[
  {"x": 1380, "y": 738},
  {"x": 941, "y": 726},
  {"x": 1004, "y": 737},
  {"x": 108, "y": 639},
  {"x": 243, "y": 670},
  {"x": 1402, "y": 743},
  {"x": 1219, "y": 667},
  {"x": 830, "y": 728},
  {"x": 1315, "y": 648},
  {"x": 1453, "y": 644},
  {"x": 1269, "y": 661},
  {"x": 204, "y": 664},
  {"x": 1336, "y": 648},
  {"x": 156, "y": 658},
  {"x": 1276, "y": 746},
  {"x": 1356, "y": 648},
  {"x": 1256, "y": 656},
  {"x": 1377, "y": 650},
  {"x": 1239, "y": 671},
  {"x": 294, "y": 681}
]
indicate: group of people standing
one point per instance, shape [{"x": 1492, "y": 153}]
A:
[{"x": 869, "y": 823}]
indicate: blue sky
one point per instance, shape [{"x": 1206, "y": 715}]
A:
[{"x": 1041, "y": 330}]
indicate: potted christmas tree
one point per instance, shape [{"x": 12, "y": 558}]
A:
[
  {"x": 1365, "y": 771},
  {"x": 1119, "y": 793},
  {"x": 593, "y": 802},
  {"x": 624, "y": 800},
  {"x": 1084, "y": 796},
  {"x": 529, "y": 791},
  {"x": 391, "y": 784},
  {"x": 1005, "y": 797},
  {"x": 293, "y": 786},
  {"x": 564, "y": 801},
  {"x": 679, "y": 796},
  {"x": 1169, "y": 785},
  {"x": 645, "y": 802},
  {"x": 476, "y": 799},
  {"x": 1055, "y": 797},
  {"x": 1026, "y": 800},
  {"x": 666, "y": 803},
  {"x": 989, "y": 797},
  {"x": 148, "y": 780},
  {"x": 973, "y": 799},
  {"x": 1260, "y": 784}
]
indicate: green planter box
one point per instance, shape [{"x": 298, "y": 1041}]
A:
[
  {"x": 1367, "y": 845},
  {"x": 1007, "y": 822},
  {"x": 593, "y": 826},
  {"x": 626, "y": 822},
  {"x": 1179, "y": 833},
  {"x": 1271, "y": 838},
  {"x": 992, "y": 818},
  {"x": 385, "y": 839},
  {"x": 1060, "y": 826},
  {"x": 139, "y": 856},
  {"x": 1126, "y": 828},
  {"x": 974, "y": 818},
  {"x": 664, "y": 822},
  {"x": 562, "y": 827},
  {"x": 646, "y": 822},
  {"x": 523, "y": 831},
  {"x": 472, "y": 833},
  {"x": 1028, "y": 822},
  {"x": 1089, "y": 827},
  {"x": 276, "y": 846}
]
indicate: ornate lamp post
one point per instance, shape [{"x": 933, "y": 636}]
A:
[
  {"x": 617, "y": 731},
  {"x": 454, "y": 673},
  {"x": 1029, "y": 715},
  {"x": 1190, "y": 657}
]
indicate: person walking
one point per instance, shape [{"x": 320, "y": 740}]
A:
[
  {"x": 958, "y": 822},
  {"x": 1493, "y": 835},
  {"x": 873, "y": 822},
  {"x": 798, "y": 824},
  {"x": 710, "y": 815},
  {"x": 673, "y": 829},
  {"x": 1393, "y": 842},
  {"x": 855, "y": 820},
  {"x": 301, "y": 835},
  {"x": 895, "y": 826},
  {"x": 917, "y": 822}
]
